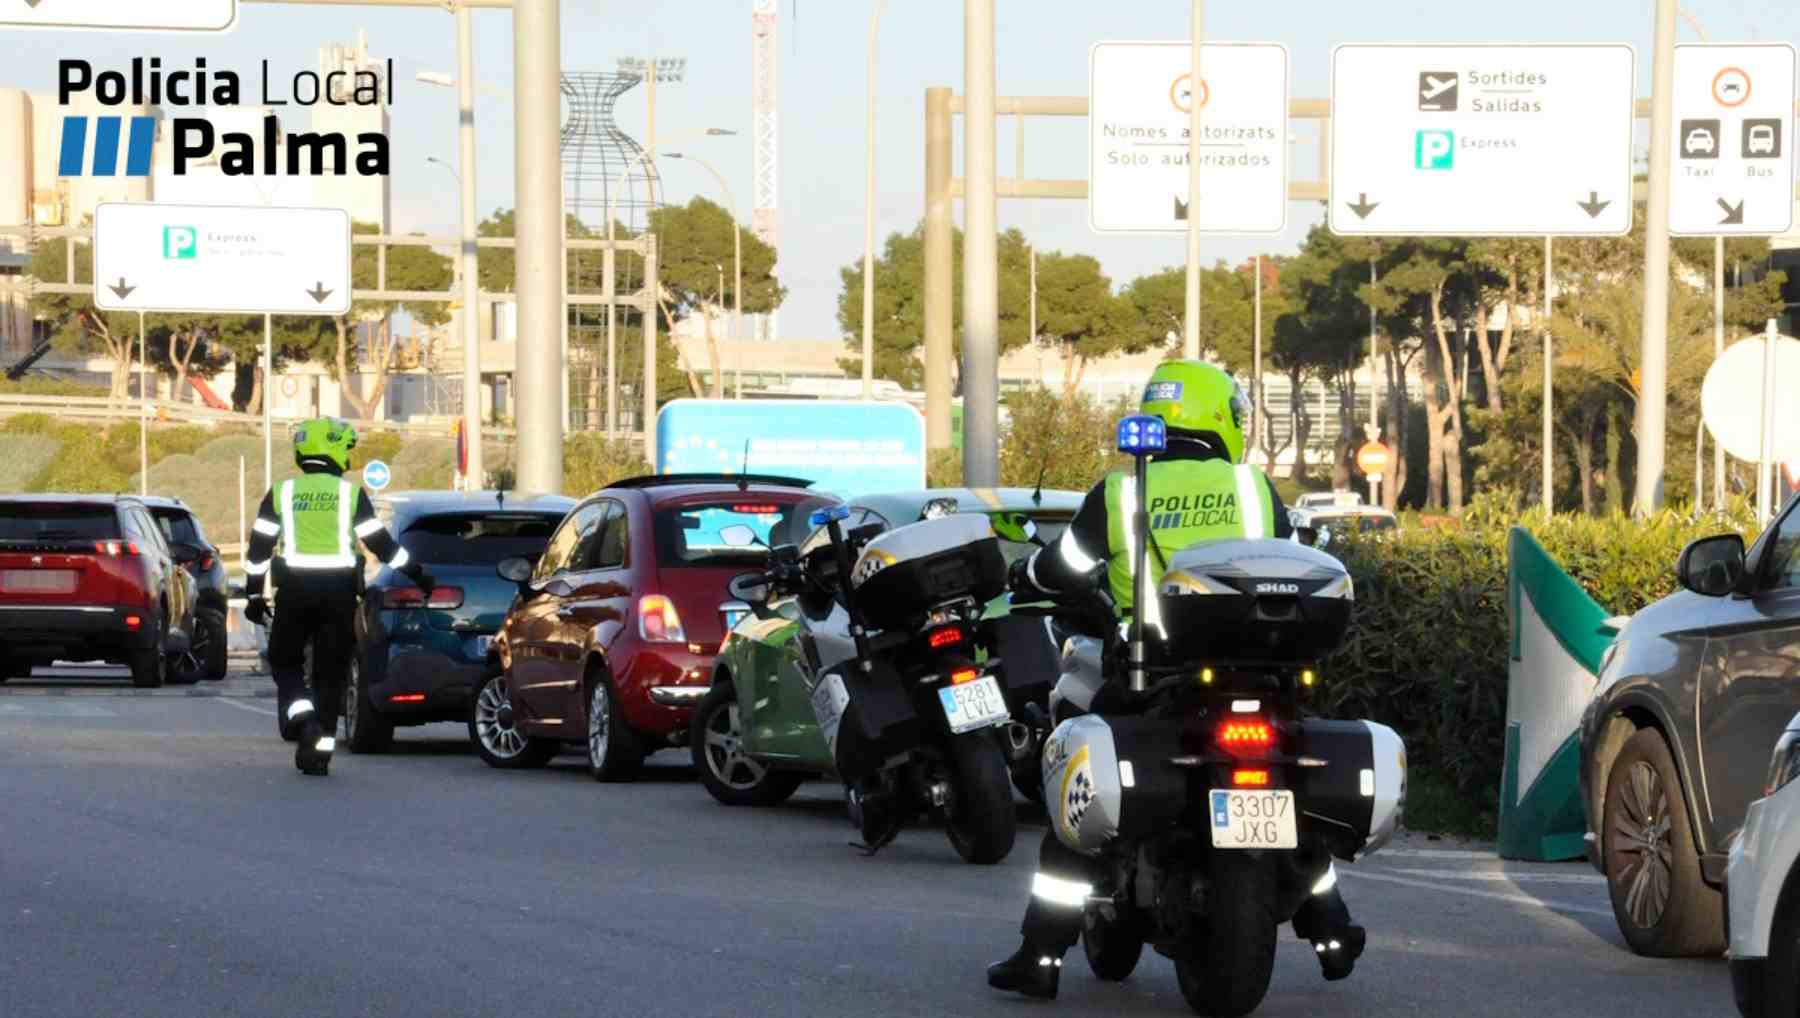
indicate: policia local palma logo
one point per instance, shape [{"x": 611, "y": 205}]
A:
[{"x": 195, "y": 139}]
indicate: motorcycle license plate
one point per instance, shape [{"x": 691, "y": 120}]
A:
[
  {"x": 973, "y": 705},
  {"x": 1242, "y": 819}
]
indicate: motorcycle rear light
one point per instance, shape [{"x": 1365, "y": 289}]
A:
[
  {"x": 945, "y": 638},
  {"x": 962, "y": 675},
  {"x": 407, "y": 698},
  {"x": 1245, "y": 778},
  {"x": 1240, "y": 736},
  {"x": 657, "y": 620}
]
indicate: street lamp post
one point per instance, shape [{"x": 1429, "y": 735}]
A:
[
  {"x": 868, "y": 267},
  {"x": 737, "y": 256}
]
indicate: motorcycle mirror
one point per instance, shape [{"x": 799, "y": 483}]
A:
[
  {"x": 938, "y": 508},
  {"x": 517, "y": 570},
  {"x": 750, "y": 588},
  {"x": 738, "y": 535}
]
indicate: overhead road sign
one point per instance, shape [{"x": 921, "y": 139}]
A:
[
  {"x": 1481, "y": 140},
  {"x": 1142, "y": 93},
  {"x": 282, "y": 261},
  {"x": 121, "y": 15},
  {"x": 1733, "y": 157}
]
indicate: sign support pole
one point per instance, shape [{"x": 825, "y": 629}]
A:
[
  {"x": 471, "y": 281},
  {"x": 143, "y": 408},
  {"x": 1374, "y": 426},
  {"x": 1765, "y": 481},
  {"x": 1653, "y": 361},
  {"x": 1190, "y": 336},
  {"x": 1549, "y": 480},
  {"x": 268, "y": 399},
  {"x": 1256, "y": 372},
  {"x": 981, "y": 270},
  {"x": 1718, "y": 349}
]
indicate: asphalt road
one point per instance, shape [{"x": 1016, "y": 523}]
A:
[{"x": 160, "y": 856}]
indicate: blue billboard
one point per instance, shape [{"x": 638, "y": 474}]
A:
[{"x": 848, "y": 448}]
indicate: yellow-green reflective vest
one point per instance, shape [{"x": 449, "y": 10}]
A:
[
  {"x": 1190, "y": 501},
  {"x": 316, "y": 513}
]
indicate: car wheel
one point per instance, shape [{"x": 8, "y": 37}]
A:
[
  {"x": 716, "y": 739},
  {"x": 364, "y": 728},
  {"x": 149, "y": 665},
  {"x": 498, "y": 740},
  {"x": 614, "y": 751},
  {"x": 211, "y": 645},
  {"x": 1663, "y": 907}
]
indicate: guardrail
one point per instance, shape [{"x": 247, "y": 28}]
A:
[{"x": 164, "y": 411}]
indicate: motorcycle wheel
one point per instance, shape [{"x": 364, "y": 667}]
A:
[
  {"x": 1227, "y": 975},
  {"x": 1113, "y": 946},
  {"x": 982, "y": 822}
]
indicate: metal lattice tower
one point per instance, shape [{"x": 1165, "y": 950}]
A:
[
  {"x": 597, "y": 156},
  {"x": 766, "y": 215}
]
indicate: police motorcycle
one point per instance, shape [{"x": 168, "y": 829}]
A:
[
  {"x": 914, "y": 722},
  {"x": 1213, "y": 807}
]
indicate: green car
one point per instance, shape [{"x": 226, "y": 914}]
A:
[{"x": 754, "y": 735}]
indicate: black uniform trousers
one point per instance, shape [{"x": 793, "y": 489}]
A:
[{"x": 320, "y": 608}]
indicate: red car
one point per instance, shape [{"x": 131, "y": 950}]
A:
[
  {"x": 611, "y": 640},
  {"x": 90, "y": 578}
]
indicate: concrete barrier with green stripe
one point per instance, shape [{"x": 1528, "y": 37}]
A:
[{"x": 1559, "y": 635}]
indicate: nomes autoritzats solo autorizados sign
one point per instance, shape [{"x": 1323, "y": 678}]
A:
[{"x": 195, "y": 138}]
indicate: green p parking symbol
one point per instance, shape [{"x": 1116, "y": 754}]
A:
[
  {"x": 180, "y": 243},
  {"x": 1434, "y": 150}
]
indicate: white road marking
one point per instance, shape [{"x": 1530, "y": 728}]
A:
[
  {"x": 229, "y": 702},
  {"x": 1466, "y": 855},
  {"x": 1498, "y": 876},
  {"x": 1470, "y": 892},
  {"x": 54, "y": 709}
]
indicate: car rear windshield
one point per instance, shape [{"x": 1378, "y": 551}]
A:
[
  {"x": 1356, "y": 521},
  {"x": 478, "y": 539},
  {"x": 51, "y": 521},
  {"x": 691, "y": 535},
  {"x": 178, "y": 527}
]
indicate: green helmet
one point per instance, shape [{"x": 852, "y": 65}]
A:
[
  {"x": 326, "y": 438},
  {"x": 1197, "y": 400}
]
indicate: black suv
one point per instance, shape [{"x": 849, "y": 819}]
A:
[
  {"x": 206, "y": 658},
  {"x": 1675, "y": 744}
]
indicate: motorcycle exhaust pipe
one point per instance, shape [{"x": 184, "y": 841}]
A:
[{"x": 1018, "y": 740}]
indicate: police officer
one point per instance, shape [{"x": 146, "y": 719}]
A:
[
  {"x": 307, "y": 528},
  {"x": 1198, "y": 491}
]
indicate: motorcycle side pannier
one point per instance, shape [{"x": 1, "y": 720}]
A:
[
  {"x": 1109, "y": 777},
  {"x": 865, "y": 716},
  {"x": 1356, "y": 801},
  {"x": 1030, "y": 661},
  {"x": 1260, "y": 600},
  {"x": 905, "y": 572}
]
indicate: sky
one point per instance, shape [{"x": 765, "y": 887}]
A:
[{"x": 1042, "y": 50}]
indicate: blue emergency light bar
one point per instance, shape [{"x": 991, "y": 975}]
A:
[
  {"x": 820, "y": 517},
  {"x": 1143, "y": 434}
]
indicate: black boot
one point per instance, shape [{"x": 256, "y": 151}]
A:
[
  {"x": 1032, "y": 970},
  {"x": 1339, "y": 951},
  {"x": 312, "y": 754}
]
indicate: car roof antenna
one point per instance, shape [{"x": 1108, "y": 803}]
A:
[
  {"x": 744, "y": 471},
  {"x": 1037, "y": 494}
]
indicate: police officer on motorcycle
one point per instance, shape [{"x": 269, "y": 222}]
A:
[
  {"x": 306, "y": 530},
  {"x": 1198, "y": 490}
]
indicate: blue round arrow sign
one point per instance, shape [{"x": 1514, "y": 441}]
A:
[{"x": 376, "y": 475}]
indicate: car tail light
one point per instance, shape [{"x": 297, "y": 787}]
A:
[
  {"x": 442, "y": 598},
  {"x": 962, "y": 675},
  {"x": 756, "y": 510},
  {"x": 134, "y": 622},
  {"x": 1249, "y": 778},
  {"x": 658, "y": 621},
  {"x": 949, "y": 636},
  {"x": 1246, "y": 736},
  {"x": 407, "y": 698},
  {"x": 116, "y": 548}
]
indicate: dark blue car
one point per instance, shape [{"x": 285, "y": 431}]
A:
[{"x": 422, "y": 658}]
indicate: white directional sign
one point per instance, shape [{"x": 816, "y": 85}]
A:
[
  {"x": 1732, "y": 149},
  {"x": 1141, "y": 95},
  {"x": 1481, "y": 140},
  {"x": 150, "y": 257},
  {"x": 122, "y": 15}
]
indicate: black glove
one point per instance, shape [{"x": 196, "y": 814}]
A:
[
  {"x": 1018, "y": 575},
  {"x": 257, "y": 611}
]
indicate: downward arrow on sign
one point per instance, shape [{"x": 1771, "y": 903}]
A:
[
  {"x": 318, "y": 293},
  {"x": 119, "y": 288},
  {"x": 1362, "y": 206}
]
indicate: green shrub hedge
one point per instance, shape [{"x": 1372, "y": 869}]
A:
[{"x": 1429, "y": 641}]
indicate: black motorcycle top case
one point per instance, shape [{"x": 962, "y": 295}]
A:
[
  {"x": 879, "y": 722},
  {"x": 1332, "y": 797}
]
